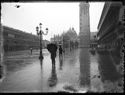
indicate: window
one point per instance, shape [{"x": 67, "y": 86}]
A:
[
  {"x": 122, "y": 15},
  {"x": 11, "y": 35},
  {"x": 85, "y": 10}
]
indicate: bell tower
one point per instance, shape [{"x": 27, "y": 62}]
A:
[
  {"x": 84, "y": 38},
  {"x": 84, "y": 25}
]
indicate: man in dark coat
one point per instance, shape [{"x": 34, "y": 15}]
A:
[
  {"x": 60, "y": 51},
  {"x": 52, "y": 48}
]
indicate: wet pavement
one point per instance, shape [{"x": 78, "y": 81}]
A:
[{"x": 79, "y": 71}]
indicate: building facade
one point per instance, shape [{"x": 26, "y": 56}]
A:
[
  {"x": 1, "y": 53},
  {"x": 111, "y": 29},
  {"x": 93, "y": 39},
  {"x": 84, "y": 34},
  {"x": 18, "y": 40}
]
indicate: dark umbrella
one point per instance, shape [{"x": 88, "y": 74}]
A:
[{"x": 52, "y": 47}]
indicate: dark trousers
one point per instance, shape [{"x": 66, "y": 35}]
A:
[{"x": 53, "y": 56}]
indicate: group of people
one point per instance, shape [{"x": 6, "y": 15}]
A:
[{"x": 52, "y": 48}]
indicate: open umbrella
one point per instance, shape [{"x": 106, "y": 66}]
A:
[{"x": 52, "y": 47}]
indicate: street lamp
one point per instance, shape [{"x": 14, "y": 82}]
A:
[{"x": 41, "y": 33}]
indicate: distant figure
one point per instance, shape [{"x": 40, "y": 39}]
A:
[
  {"x": 17, "y": 6},
  {"x": 52, "y": 48},
  {"x": 1, "y": 72},
  {"x": 60, "y": 51},
  {"x": 31, "y": 50},
  {"x": 2, "y": 68}
]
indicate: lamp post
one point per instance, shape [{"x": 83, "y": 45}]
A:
[{"x": 41, "y": 33}]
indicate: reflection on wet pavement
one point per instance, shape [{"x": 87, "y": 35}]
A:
[
  {"x": 107, "y": 69},
  {"x": 79, "y": 71},
  {"x": 61, "y": 63},
  {"x": 109, "y": 75},
  {"x": 84, "y": 68},
  {"x": 52, "y": 81},
  {"x": 96, "y": 83}
]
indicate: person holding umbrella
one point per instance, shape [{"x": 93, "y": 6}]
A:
[{"x": 52, "y": 48}]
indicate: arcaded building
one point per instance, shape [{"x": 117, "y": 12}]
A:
[
  {"x": 111, "y": 28},
  {"x": 14, "y": 40}
]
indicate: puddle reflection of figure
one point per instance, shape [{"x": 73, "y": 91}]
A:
[
  {"x": 61, "y": 62},
  {"x": 53, "y": 78},
  {"x": 41, "y": 62},
  {"x": 61, "y": 56}
]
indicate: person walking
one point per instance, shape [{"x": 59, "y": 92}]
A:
[
  {"x": 60, "y": 51},
  {"x": 31, "y": 50},
  {"x": 52, "y": 48}
]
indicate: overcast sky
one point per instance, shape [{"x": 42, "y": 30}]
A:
[{"x": 58, "y": 17}]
